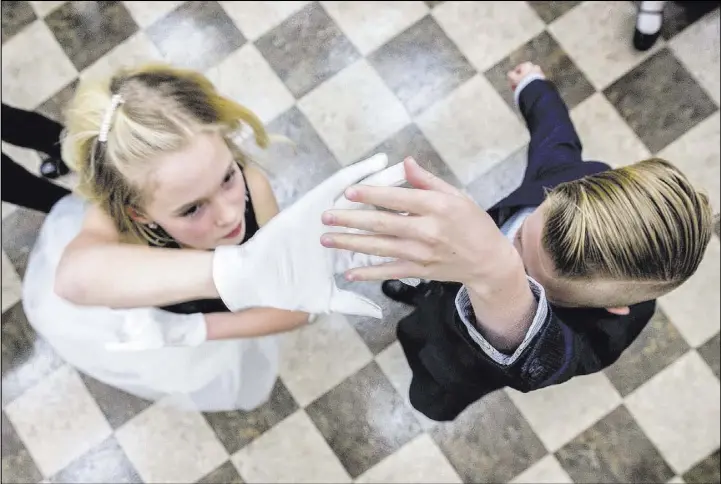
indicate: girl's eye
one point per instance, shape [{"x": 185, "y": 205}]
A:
[
  {"x": 229, "y": 178},
  {"x": 192, "y": 211}
]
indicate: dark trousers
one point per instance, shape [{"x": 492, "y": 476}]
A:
[{"x": 28, "y": 129}]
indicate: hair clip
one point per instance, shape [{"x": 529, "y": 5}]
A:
[{"x": 115, "y": 101}]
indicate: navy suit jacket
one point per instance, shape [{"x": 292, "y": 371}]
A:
[{"x": 450, "y": 371}]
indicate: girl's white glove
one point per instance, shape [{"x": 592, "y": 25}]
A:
[
  {"x": 284, "y": 265},
  {"x": 152, "y": 329}
]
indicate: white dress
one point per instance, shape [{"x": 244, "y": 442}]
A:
[{"x": 215, "y": 376}]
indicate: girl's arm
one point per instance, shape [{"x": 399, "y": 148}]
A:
[
  {"x": 97, "y": 269},
  {"x": 252, "y": 323}
]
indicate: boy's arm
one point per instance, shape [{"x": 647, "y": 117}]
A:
[{"x": 554, "y": 141}]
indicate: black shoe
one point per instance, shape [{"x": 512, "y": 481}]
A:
[
  {"x": 400, "y": 292},
  {"x": 53, "y": 168},
  {"x": 643, "y": 42}
]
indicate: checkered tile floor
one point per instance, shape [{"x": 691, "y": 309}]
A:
[{"x": 344, "y": 80}]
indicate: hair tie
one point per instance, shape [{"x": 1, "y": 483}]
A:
[{"x": 115, "y": 101}]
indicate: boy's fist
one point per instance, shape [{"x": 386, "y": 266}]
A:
[{"x": 516, "y": 75}]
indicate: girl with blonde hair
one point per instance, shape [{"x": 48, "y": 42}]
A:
[{"x": 152, "y": 283}]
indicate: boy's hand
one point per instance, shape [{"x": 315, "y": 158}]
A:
[{"x": 516, "y": 75}]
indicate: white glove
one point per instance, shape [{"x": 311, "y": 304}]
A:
[
  {"x": 152, "y": 328},
  {"x": 285, "y": 266}
]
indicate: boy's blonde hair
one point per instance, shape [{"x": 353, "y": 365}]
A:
[
  {"x": 643, "y": 224},
  {"x": 161, "y": 109}
]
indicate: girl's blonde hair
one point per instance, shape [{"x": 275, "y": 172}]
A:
[
  {"x": 643, "y": 223},
  {"x": 159, "y": 110}
]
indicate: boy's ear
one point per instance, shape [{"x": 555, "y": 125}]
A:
[
  {"x": 136, "y": 216},
  {"x": 621, "y": 311}
]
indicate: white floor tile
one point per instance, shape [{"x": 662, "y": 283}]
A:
[
  {"x": 354, "y": 111},
  {"x": 368, "y": 25},
  {"x": 317, "y": 357},
  {"x": 547, "y": 470},
  {"x": 256, "y": 18},
  {"x": 167, "y": 443},
  {"x": 473, "y": 129},
  {"x": 679, "y": 411},
  {"x": 292, "y": 451},
  {"x": 560, "y": 412},
  {"x": 58, "y": 420}
]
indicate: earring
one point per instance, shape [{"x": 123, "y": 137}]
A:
[{"x": 152, "y": 225}]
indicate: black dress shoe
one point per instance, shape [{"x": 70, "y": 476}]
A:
[
  {"x": 53, "y": 168},
  {"x": 643, "y": 42},
  {"x": 400, "y": 292}
]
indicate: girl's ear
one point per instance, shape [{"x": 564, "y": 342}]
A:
[{"x": 136, "y": 216}]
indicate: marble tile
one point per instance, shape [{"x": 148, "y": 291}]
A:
[
  {"x": 166, "y": 443},
  {"x": 7, "y": 209},
  {"x": 147, "y": 13},
  {"x": 54, "y": 107},
  {"x": 19, "y": 231},
  {"x": 377, "y": 335},
  {"x": 705, "y": 471},
  {"x": 547, "y": 470},
  {"x": 364, "y": 420},
  {"x": 551, "y": 10},
  {"x": 294, "y": 169},
  {"x": 392, "y": 361},
  {"x": 117, "y": 405},
  {"x": 471, "y": 144},
  {"x": 502, "y": 179},
  {"x": 371, "y": 24},
  {"x": 58, "y": 420},
  {"x": 614, "y": 450},
  {"x": 307, "y": 49},
  {"x": 15, "y": 17},
  {"x": 678, "y": 409},
  {"x": 352, "y": 125},
  {"x": 26, "y": 358},
  {"x": 676, "y": 480},
  {"x": 337, "y": 352},
  {"x": 421, "y": 65},
  {"x": 433, "y": 3},
  {"x": 604, "y": 134},
  {"x": 34, "y": 67},
  {"x": 698, "y": 50},
  {"x": 419, "y": 461},
  {"x": 237, "y": 429},
  {"x": 694, "y": 307},
  {"x": 560, "y": 412},
  {"x": 709, "y": 351},
  {"x": 481, "y": 31},
  {"x": 256, "y": 18},
  {"x": 597, "y": 37},
  {"x": 635, "y": 96},
  {"x": 678, "y": 16},
  {"x": 196, "y": 35},
  {"x": 490, "y": 441},
  {"x": 135, "y": 51},
  {"x": 409, "y": 141},
  {"x": 246, "y": 77},
  {"x": 697, "y": 154},
  {"x": 17, "y": 463},
  {"x": 658, "y": 345},
  {"x": 12, "y": 286},
  {"x": 105, "y": 463},
  {"x": 292, "y": 451},
  {"x": 558, "y": 67},
  {"x": 225, "y": 474},
  {"x": 88, "y": 30},
  {"x": 717, "y": 226},
  {"x": 44, "y": 7}
]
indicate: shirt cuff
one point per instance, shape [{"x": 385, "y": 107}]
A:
[
  {"x": 522, "y": 85},
  {"x": 465, "y": 311}
]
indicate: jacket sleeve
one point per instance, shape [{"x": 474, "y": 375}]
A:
[
  {"x": 554, "y": 141},
  {"x": 578, "y": 342}
]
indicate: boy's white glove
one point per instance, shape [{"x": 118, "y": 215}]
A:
[
  {"x": 284, "y": 265},
  {"x": 152, "y": 329}
]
